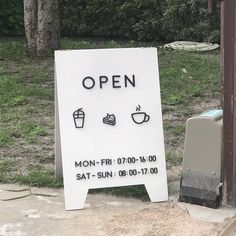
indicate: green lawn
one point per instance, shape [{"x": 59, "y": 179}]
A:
[{"x": 189, "y": 85}]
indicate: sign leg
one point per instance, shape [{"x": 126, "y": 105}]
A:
[
  {"x": 58, "y": 156},
  {"x": 155, "y": 193},
  {"x": 75, "y": 199}
]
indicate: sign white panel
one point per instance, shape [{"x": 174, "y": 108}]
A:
[{"x": 110, "y": 121}]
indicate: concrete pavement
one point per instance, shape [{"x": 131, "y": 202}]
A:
[{"x": 41, "y": 212}]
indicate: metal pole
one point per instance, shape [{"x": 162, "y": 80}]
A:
[{"x": 229, "y": 102}]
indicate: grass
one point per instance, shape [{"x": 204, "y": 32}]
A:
[
  {"x": 30, "y": 130},
  {"x": 36, "y": 175},
  {"x": 187, "y": 80},
  {"x": 12, "y": 49},
  {"x": 6, "y": 166},
  {"x": 188, "y": 75},
  {"x": 39, "y": 177},
  {"x": 174, "y": 158},
  {"x": 137, "y": 191}
]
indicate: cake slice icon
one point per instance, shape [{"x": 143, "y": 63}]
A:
[{"x": 110, "y": 119}]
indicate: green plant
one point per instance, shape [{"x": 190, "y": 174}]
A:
[
  {"x": 31, "y": 130},
  {"x": 174, "y": 158},
  {"x": 11, "y": 17},
  {"x": 185, "y": 75},
  {"x": 39, "y": 177},
  {"x": 12, "y": 48},
  {"x": 137, "y": 191},
  {"x": 5, "y": 137},
  {"x": 190, "y": 20},
  {"x": 159, "y": 20},
  {"x": 10, "y": 92},
  {"x": 6, "y": 166}
]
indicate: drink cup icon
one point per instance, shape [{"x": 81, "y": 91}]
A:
[{"x": 79, "y": 117}]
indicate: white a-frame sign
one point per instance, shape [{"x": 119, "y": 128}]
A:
[{"x": 109, "y": 122}]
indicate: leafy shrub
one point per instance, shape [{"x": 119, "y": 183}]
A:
[
  {"x": 134, "y": 19},
  {"x": 162, "y": 20},
  {"x": 190, "y": 20},
  {"x": 141, "y": 19},
  {"x": 11, "y": 17},
  {"x": 159, "y": 20}
]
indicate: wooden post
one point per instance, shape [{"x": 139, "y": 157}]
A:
[
  {"x": 222, "y": 54},
  {"x": 210, "y": 6},
  {"x": 229, "y": 102}
]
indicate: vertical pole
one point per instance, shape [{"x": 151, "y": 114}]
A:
[
  {"x": 229, "y": 74},
  {"x": 210, "y": 6},
  {"x": 222, "y": 54}
]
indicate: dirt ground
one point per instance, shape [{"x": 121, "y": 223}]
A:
[{"x": 103, "y": 215}]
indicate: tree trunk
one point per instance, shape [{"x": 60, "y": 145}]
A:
[
  {"x": 30, "y": 20},
  {"x": 48, "y": 26},
  {"x": 41, "y": 26}
]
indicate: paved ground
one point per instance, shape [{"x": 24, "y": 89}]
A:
[{"x": 42, "y": 213}]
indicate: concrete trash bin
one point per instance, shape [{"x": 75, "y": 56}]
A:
[{"x": 201, "y": 175}]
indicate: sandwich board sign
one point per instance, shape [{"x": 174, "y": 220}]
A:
[{"x": 109, "y": 122}]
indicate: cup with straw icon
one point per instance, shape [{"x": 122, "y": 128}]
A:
[{"x": 79, "y": 117}]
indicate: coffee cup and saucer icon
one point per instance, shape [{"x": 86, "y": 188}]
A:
[{"x": 140, "y": 117}]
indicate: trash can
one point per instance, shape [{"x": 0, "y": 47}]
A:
[{"x": 201, "y": 176}]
